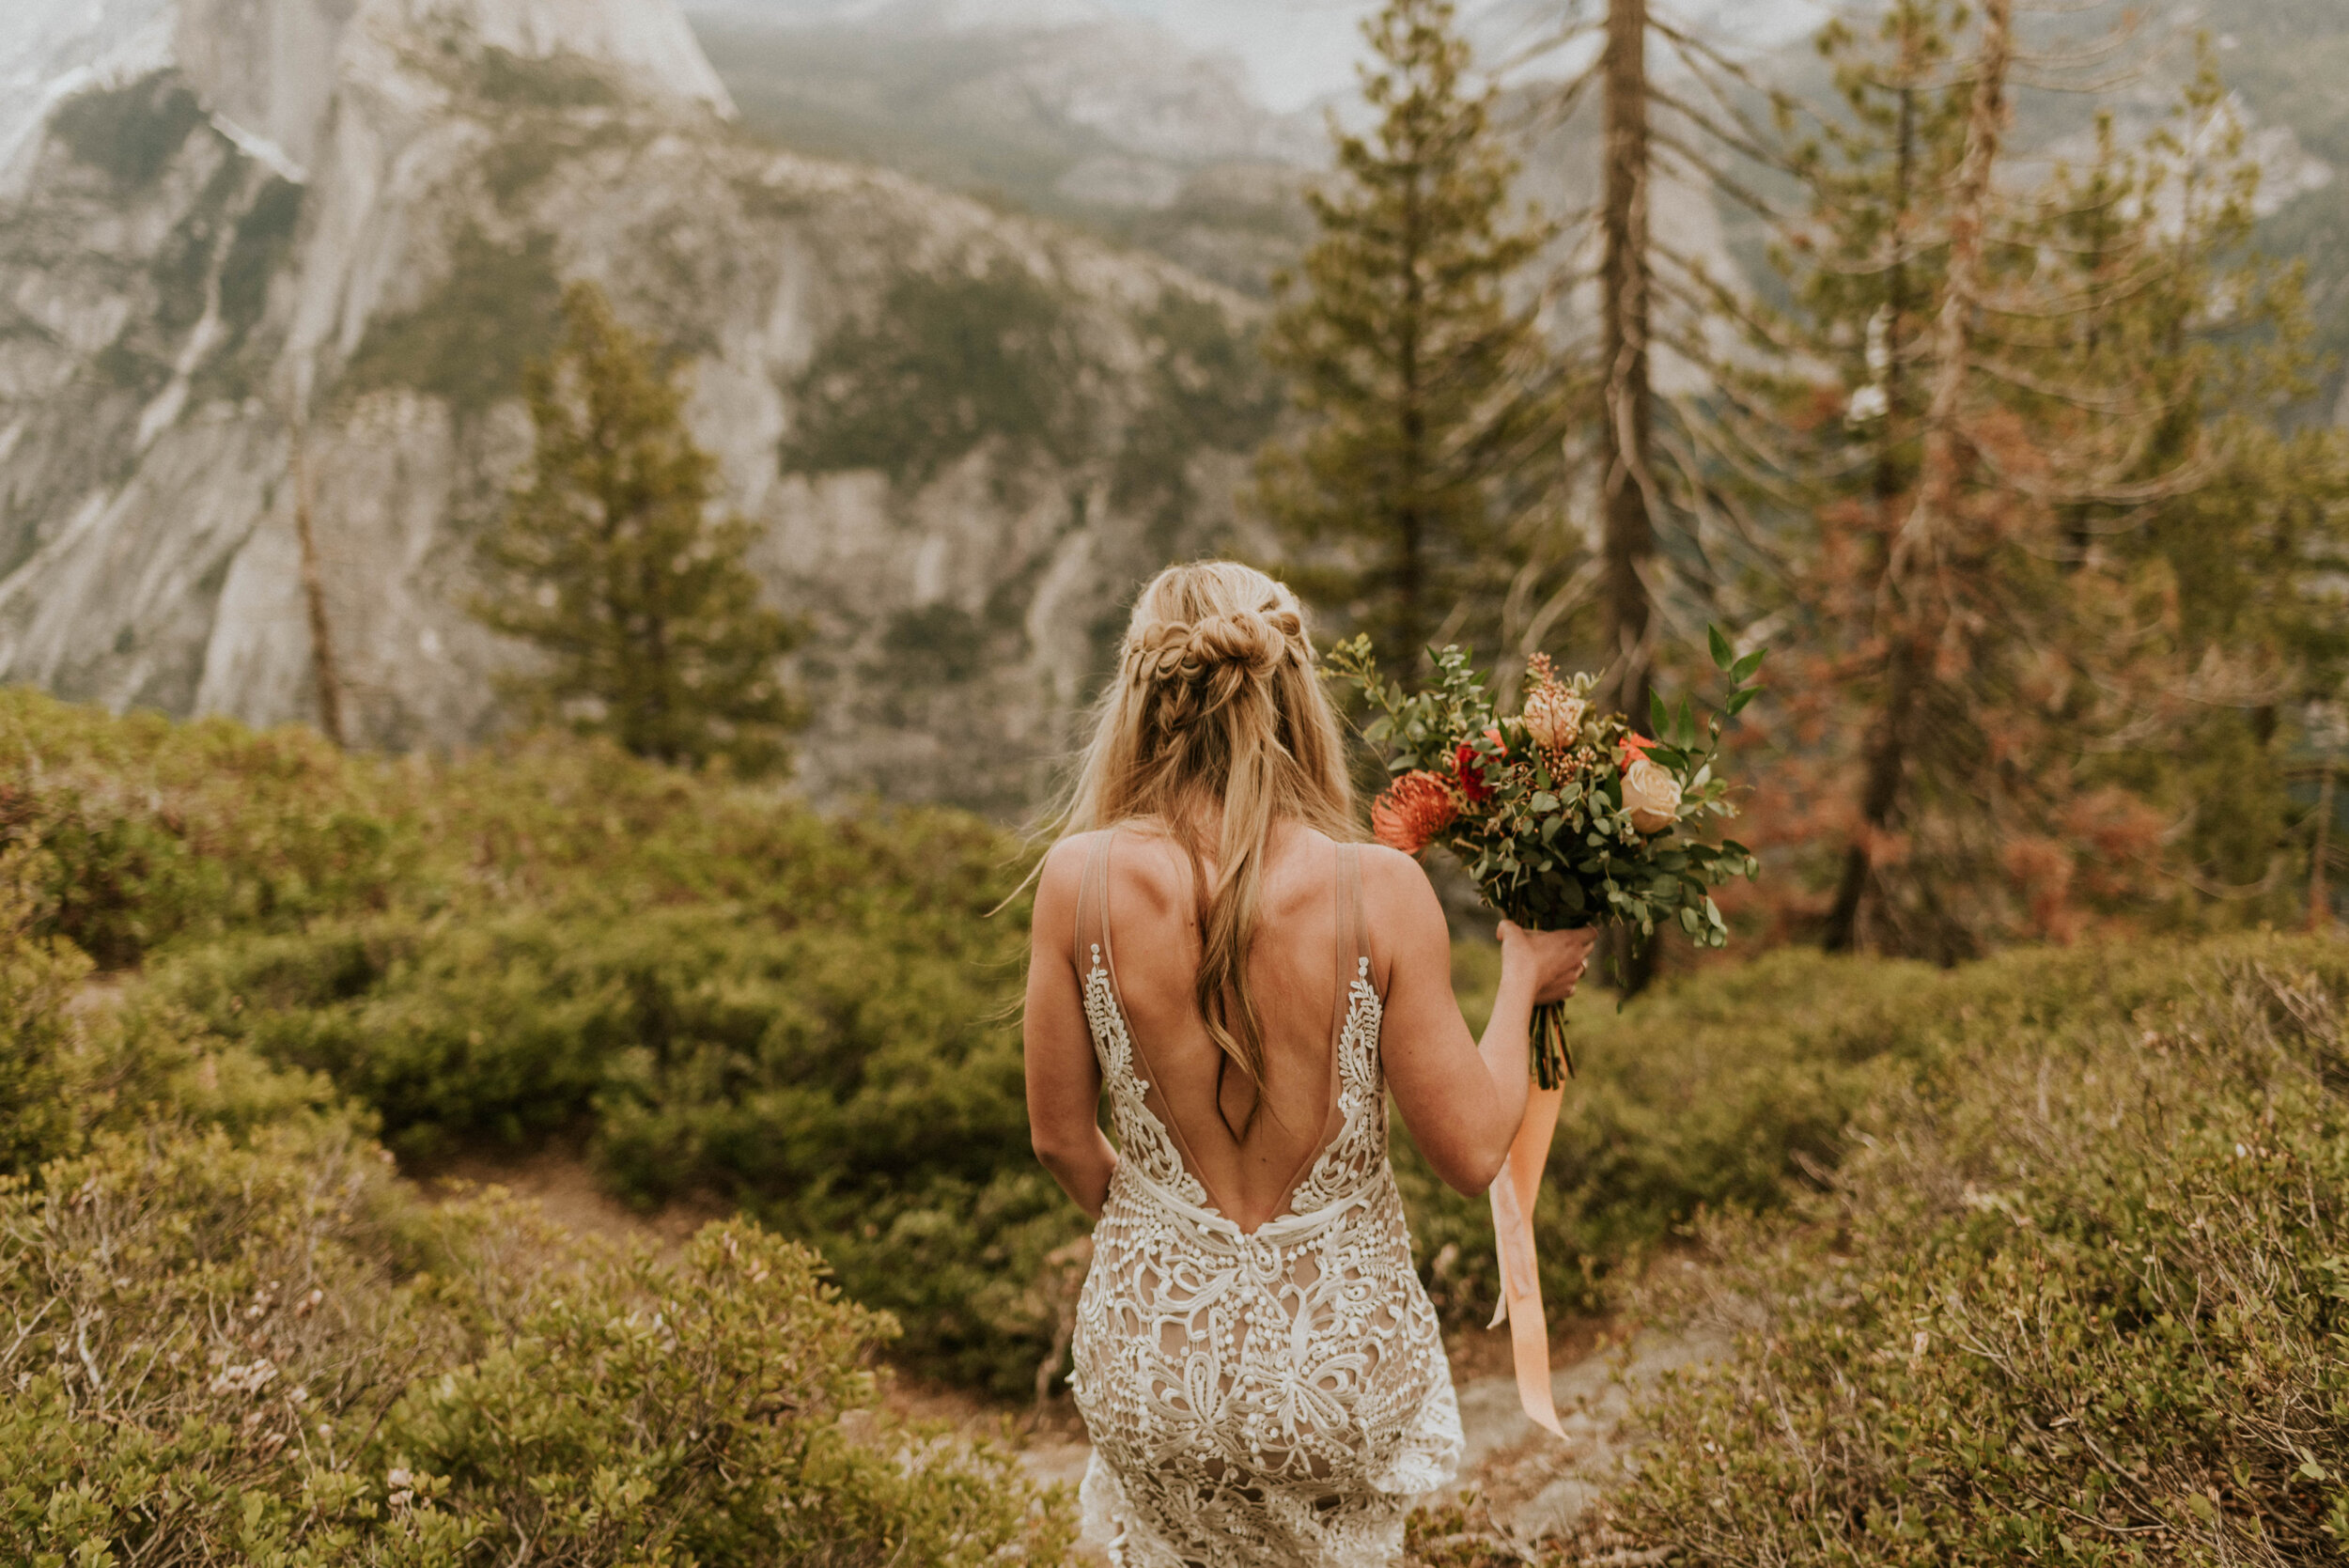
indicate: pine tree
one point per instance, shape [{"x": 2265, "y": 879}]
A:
[
  {"x": 2004, "y": 631},
  {"x": 1433, "y": 424},
  {"x": 608, "y": 562}
]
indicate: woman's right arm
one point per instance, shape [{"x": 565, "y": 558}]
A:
[{"x": 1462, "y": 1099}]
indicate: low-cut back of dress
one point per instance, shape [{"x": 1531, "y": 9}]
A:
[{"x": 1274, "y": 1397}]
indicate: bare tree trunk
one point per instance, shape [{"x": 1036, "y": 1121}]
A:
[
  {"x": 1908, "y": 599},
  {"x": 322, "y": 667},
  {"x": 1628, "y": 484},
  {"x": 1412, "y": 607},
  {"x": 1879, "y": 791}
]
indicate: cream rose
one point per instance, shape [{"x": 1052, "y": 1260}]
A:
[
  {"x": 1651, "y": 795},
  {"x": 1553, "y": 716}
]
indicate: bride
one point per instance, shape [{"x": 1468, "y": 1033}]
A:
[{"x": 1255, "y": 1360}]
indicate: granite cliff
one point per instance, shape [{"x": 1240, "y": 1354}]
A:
[{"x": 251, "y": 249}]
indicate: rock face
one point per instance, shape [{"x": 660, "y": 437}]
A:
[{"x": 257, "y": 249}]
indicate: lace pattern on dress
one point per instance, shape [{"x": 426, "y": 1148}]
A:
[{"x": 1274, "y": 1397}]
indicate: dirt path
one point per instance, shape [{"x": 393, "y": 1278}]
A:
[
  {"x": 1532, "y": 1484},
  {"x": 561, "y": 1183}
]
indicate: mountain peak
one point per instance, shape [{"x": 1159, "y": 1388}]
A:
[{"x": 269, "y": 69}]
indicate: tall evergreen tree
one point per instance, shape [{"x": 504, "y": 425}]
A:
[
  {"x": 1432, "y": 427},
  {"x": 649, "y": 623},
  {"x": 1996, "y": 599}
]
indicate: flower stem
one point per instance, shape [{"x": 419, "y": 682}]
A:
[{"x": 1553, "y": 1059}]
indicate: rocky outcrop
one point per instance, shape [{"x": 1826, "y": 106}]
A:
[{"x": 305, "y": 246}]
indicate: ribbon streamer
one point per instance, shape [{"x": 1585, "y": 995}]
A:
[{"x": 1512, "y": 1195}]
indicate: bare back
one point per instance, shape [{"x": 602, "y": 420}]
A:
[{"x": 1307, "y": 937}]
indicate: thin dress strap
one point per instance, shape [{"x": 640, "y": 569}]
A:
[
  {"x": 1357, "y": 926},
  {"x": 1094, "y": 889}
]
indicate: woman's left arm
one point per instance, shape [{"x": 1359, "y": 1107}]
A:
[{"x": 1064, "y": 1079}]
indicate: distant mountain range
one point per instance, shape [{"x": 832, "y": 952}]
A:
[
  {"x": 1099, "y": 113},
  {"x": 253, "y": 252}
]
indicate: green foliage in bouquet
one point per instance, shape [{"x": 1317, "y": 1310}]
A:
[{"x": 1550, "y": 810}]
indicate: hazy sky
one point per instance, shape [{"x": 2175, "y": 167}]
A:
[
  {"x": 1302, "y": 50},
  {"x": 1299, "y": 52}
]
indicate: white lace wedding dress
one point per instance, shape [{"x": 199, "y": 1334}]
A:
[{"x": 1276, "y": 1398}]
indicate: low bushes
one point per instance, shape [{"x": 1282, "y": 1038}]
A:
[
  {"x": 2078, "y": 1296},
  {"x": 729, "y": 997},
  {"x": 233, "y": 1334},
  {"x": 860, "y": 1093},
  {"x": 262, "y": 1351}
]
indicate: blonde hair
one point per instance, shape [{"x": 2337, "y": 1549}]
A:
[{"x": 1217, "y": 703}]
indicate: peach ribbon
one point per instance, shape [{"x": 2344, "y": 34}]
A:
[{"x": 1513, "y": 1196}]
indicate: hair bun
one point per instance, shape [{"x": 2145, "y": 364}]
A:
[
  {"x": 1192, "y": 650},
  {"x": 1200, "y": 666},
  {"x": 1244, "y": 637}
]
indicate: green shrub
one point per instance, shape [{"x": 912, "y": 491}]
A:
[
  {"x": 38, "y": 1112},
  {"x": 847, "y": 1089},
  {"x": 144, "y": 831},
  {"x": 265, "y": 1351},
  {"x": 76, "y": 1061},
  {"x": 807, "y": 1016},
  {"x": 2076, "y": 1295},
  {"x": 650, "y": 1412},
  {"x": 1728, "y": 1090}
]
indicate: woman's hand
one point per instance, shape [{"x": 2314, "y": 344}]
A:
[{"x": 1554, "y": 959}]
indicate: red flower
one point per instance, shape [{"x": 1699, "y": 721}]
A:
[
  {"x": 1634, "y": 746},
  {"x": 1468, "y": 769},
  {"x": 1415, "y": 808}
]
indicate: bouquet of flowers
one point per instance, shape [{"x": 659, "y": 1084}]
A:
[{"x": 1564, "y": 816}]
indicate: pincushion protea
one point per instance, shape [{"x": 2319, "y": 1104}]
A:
[{"x": 1415, "y": 808}]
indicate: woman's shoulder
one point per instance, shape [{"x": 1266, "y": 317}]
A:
[
  {"x": 1057, "y": 879},
  {"x": 1071, "y": 856},
  {"x": 1391, "y": 871}
]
